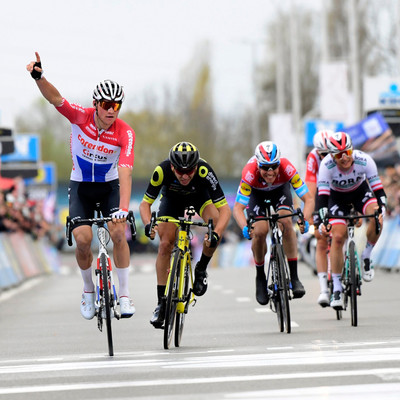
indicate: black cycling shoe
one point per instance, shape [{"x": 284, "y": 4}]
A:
[
  {"x": 261, "y": 291},
  {"x": 200, "y": 282},
  {"x": 157, "y": 320},
  {"x": 297, "y": 289}
]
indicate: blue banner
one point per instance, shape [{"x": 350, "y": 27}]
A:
[
  {"x": 312, "y": 126},
  {"x": 46, "y": 175},
  {"x": 371, "y": 127},
  {"x": 27, "y": 149}
]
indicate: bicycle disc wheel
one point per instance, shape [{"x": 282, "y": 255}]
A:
[
  {"x": 283, "y": 287},
  {"x": 107, "y": 302},
  {"x": 180, "y": 317},
  {"x": 172, "y": 293},
  {"x": 353, "y": 283}
]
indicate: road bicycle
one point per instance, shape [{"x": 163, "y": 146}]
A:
[
  {"x": 106, "y": 299},
  {"x": 179, "y": 289},
  {"x": 278, "y": 277},
  {"x": 351, "y": 274}
]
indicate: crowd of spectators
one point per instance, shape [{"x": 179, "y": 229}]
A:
[{"x": 390, "y": 177}]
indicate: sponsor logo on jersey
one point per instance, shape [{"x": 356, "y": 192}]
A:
[
  {"x": 249, "y": 177},
  {"x": 101, "y": 148},
  {"x": 296, "y": 181},
  {"x": 289, "y": 170},
  {"x": 245, "y": 189}
]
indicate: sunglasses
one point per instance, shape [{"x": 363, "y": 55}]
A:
[
  {"x": 338, "y": 156},
  {"x": 270, "y": 167},
  {"x": 184, "y": 171},
  {"x": 106, "y": 105}
]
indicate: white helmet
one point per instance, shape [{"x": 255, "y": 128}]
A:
[
  {"x": 319, "y": 140},
  {"x": 108, "y": 90},
  {"x": 267, "y": 154}
]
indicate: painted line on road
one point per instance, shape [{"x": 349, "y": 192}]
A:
[
  {"x": 382, "y": 373},
  {"x": 4, "y": 296}
]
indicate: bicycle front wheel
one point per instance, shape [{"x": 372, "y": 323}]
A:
[
  {"x": 180, "y": 316},
  {"x": 283, "y": 287},
  {"x": 172, "y": 294},
  {"x": 353, "y": 283},
  {"x": 106, "y": 301}
]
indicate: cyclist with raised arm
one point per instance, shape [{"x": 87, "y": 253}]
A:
[
  {"x": 102, "y": 160},
  {"x": 348, "y": 177},
  {"x": 268, "y": 176},
  {"x": 184, "y": 179},
  {"x": 314, "y": 158}
]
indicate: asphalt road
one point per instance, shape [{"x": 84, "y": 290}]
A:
[{"x": 231, "y": 347}]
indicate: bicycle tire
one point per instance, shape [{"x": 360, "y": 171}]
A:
[
  {"x": 172, "y": 291},
  {"x": 283, "y": 287},
  {"x": 274, "y": 284},
  {"x": 330, "y": 287},
  {"x": 353, "y": 283},
  {"x": 107, "y": 301},
  {"x": 180, "y": 317}
]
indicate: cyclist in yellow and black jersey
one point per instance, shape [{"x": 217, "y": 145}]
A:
[{"x": 184, "y": 179}]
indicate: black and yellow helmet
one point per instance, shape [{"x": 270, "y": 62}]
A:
[{"x": 184, "y": 156}]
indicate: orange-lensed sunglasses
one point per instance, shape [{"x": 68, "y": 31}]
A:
[
  {"x": 106, "y": 105},
  {"x": 338, "y": 156}
]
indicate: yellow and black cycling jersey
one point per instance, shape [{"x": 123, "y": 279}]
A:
[{"x": 164, "y": 180}]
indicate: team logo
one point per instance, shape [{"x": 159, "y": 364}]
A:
[
  {"x": 289, "y": 170},
  {"x": 245, "y": 189},
  {"x": 296, "y": 181}
]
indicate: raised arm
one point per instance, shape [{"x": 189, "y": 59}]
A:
[{"x": 49, "y": 92}]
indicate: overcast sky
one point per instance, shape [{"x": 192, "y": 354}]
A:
[{"x": 142, "y": 44}]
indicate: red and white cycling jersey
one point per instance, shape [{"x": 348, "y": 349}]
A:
[
  {"x": 331, "y": 177},
  {"x": 96, "y": 155},
  {"x": 252, "y": 180},
  {"x": 313, "y": 163}
]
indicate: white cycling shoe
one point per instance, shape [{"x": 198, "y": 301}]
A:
[
  {"x": 87, "y": 305},
  {"x": 127, "y": 307},
  {"x": 337, "y": 301},
  {"x": 368, "y": 270},
  {"x": 323, "y": 299}
]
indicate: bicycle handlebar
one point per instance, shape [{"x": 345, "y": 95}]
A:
[
  {"x": 274, "y": 217},
  {"x": 353, "y": 217},
  {"x": 97, "y": 221},
  {"x": 181, "y": 221}
]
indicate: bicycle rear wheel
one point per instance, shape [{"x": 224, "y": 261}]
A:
[
  {"x": 172, "y": 294},
  {"x": 283, "y": 287},
  {"x": 107, "y": 301},
  {"x": 353, "y": 283},
  {"x": 180, "y": 317}
]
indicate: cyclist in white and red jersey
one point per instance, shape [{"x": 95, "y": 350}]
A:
[
  {"x": 102, "y": 160},
  {"x": 314, "y": 158},
  {"x": 268, "y": 176},
  {"x": 347, "y": 178}
]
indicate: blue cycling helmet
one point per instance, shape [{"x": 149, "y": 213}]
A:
[{"x": 267, "y": 154}]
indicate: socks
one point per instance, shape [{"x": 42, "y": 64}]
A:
[
  {"x": 202, "y": 264},
  {"x": 293, "y": 268},
  {"x": 123, "y": 275},
  {"x": 337, "y": 282},
  {"x": 160, "y": 292},
  {"x": 323, "y": 281},
  {"x": 367, "y": 251},
  {"x": 88, "y": 285}
]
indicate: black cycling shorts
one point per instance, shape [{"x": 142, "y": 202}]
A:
[
  {"x": 280, "y": 198},
  {"x": 84, "y": 196},
  {"x": 175, "y": 206},
  {"x": 341, "y": 203}
]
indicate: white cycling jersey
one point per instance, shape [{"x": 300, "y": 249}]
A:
[{"x": 331, "y": 177}]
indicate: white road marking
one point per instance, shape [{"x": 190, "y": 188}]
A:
[
  {"x": 382, "y": 372},
  {"x": 243, "y": 299},
  {"x": 4, "y": 296}
]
